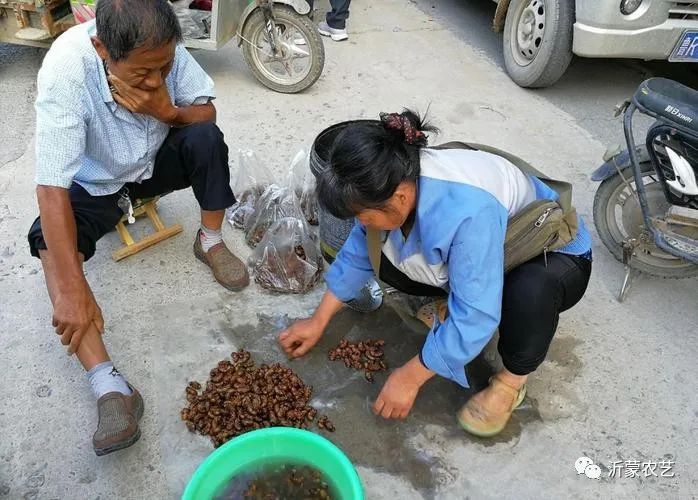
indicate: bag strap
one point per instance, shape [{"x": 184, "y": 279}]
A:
[
  {"x": 375, "y": 248},
  {"x": 563, "y": 189},
  {"x": 374, "y": 243}
]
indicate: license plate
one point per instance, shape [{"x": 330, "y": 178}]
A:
[{"x": 686, "y": 50}]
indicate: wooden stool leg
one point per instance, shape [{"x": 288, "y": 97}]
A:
[
  {"x": 153, "y": 216},
  {"x": 146, "y": 242},
  {"x": 161, "y": 233},
  {"x": 124, "y": 234}
]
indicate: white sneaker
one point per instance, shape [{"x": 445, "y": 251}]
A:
[{"x": 335, "y": 34}]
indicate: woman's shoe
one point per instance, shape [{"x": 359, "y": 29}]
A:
[
  {"x": 480, "y": 421},
  {"x": 428, "y": 312}
]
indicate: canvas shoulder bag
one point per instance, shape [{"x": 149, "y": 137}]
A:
[{"x": 542, "y": 225}]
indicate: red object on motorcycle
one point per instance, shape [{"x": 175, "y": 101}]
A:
[{"x": 201, "y": 5}]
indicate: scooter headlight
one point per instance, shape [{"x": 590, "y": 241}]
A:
[{"x": 627, "y": 7}]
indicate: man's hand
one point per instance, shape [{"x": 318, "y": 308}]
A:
[
  {"x": 301, "y": 336},
  {"x": 74, "y": 313},
  {"x": 156, "y": 103},
  {"x": 400, "y": 390}
]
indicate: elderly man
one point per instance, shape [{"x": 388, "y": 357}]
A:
[{"x": 122, "y": 112}]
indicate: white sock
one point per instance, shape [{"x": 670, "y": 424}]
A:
[
  {"x": 209, "y": 237},
  {"x": 105, "y": 378}
]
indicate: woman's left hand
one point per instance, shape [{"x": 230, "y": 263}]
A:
[{"x": 400, "y": 390}]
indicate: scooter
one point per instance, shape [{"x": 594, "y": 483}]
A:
[
  {"x": 279, "y": 40},
  {"x": 646, "y": 207}
]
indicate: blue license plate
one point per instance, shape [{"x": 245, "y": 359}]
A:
[{"x": 686, "y": 49}]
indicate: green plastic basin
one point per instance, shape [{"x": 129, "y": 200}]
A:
[{"x": 255, "y": 449}]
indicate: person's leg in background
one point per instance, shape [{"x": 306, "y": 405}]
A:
[
  {"x": 335, "y": 23},
  {"x": 337, "y": 17},
  {"x": 119, "y": 406},
  {"x": 197, "y": 156},
  {"x": 534, "y": 295}
]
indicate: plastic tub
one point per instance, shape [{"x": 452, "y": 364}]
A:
[{"x": 255, "y": 449}]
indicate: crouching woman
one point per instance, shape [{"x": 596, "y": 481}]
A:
[{"x": 444, "y": 214}]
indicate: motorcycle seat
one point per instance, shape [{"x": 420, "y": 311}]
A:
[{"x": 669, "y": 101}]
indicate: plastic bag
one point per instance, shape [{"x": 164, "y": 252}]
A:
[
  {"x": 287, "y": 259},
  {"x": 303, "y": 182},
  {"x": 275, "y": 203},
  {"x": 309, "y": 203},
  {"x": 251, "y": 181},
  {"x": 192, "y": 27}
]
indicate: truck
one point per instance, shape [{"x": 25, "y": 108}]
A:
[{"x": 540, "y": 36}]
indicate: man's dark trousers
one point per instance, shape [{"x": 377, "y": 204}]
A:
[{"x": 195, "y": 156}]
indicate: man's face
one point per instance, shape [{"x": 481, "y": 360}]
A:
[{"x": 145, "y": 67}]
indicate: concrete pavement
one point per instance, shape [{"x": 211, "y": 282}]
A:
[{"x": 618, "y": 384}]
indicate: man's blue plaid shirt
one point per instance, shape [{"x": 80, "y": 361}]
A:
[{"x": 83, "y": 135}]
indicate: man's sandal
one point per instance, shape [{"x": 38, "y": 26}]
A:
[{"x": 477, "y": 420}]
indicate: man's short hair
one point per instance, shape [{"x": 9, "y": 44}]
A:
[{"x": 124, "y": 25}]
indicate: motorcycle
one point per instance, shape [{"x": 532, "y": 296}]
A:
[
  {"x": 646, "y": 207},
  {"x": 279, "y": 40}
]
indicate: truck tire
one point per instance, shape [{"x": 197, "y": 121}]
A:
[{"x": 538, "y": 41}]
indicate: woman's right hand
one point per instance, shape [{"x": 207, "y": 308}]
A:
[{"x": 301, "y": 336}]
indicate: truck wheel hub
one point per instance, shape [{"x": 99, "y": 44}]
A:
[{"x": 529, "y": 31}]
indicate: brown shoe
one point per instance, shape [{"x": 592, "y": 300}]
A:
[
  {"x": 228, "y": 270},
  {"x": 118, "y": 421}
]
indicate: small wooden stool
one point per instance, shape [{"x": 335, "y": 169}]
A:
[{"x": 131, "y": 247}]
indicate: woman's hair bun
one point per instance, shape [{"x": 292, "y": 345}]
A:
[{"x": 410, "y": 126}]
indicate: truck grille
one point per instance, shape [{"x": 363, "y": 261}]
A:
[{"x": 684, "y": 10}]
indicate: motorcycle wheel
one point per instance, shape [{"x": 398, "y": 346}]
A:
[
  {"x": 618, "y": 217},
  {"x": 302, "y": 54}
]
